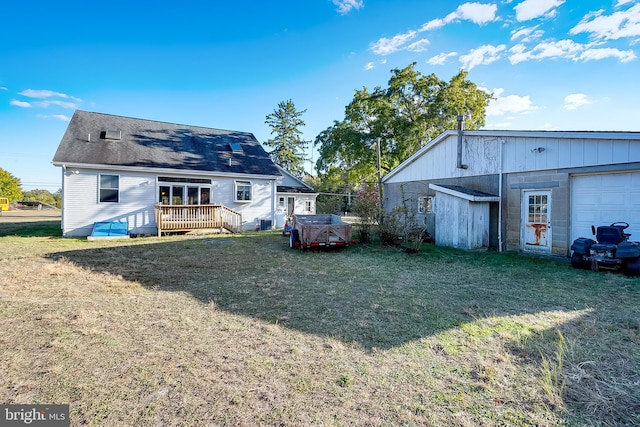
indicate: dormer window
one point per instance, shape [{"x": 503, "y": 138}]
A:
[{"x": 113, "y": 134}]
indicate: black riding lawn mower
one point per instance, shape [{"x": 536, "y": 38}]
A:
[{"x": 611, "y": 251}]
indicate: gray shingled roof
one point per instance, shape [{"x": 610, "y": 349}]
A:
[{"x": 152, "y": 144}]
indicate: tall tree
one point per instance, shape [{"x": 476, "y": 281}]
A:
[
  {"x": 10, "y": 186},
  {"x": 397, "y": 120},
  {"x": 287, "y": 144}
]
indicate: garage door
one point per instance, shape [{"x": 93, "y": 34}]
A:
[{"x": 604, "y": 199}]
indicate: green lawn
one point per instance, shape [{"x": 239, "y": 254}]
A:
[{"x": 242, "y": 330}]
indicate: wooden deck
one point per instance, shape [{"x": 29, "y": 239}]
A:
[{"x": 170, "y": 218}]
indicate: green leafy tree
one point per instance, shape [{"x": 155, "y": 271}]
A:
[
  {"x": 10, "y": 186},
  {"x": 287, "y": 144},
  {"x": 43, "y": 196},
  {"x": 57, "y": 196},
  {"x": 397, "y": 121}
]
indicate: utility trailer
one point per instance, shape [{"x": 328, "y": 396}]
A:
[{"x": 319, "y": 231}]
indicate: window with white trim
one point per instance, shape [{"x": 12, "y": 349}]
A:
[
  {"x": 281, "y": 202},
  {"x": 109, "y": 189},
  {"x": 307, "y": 206},
  {"x": 242, "y": 191},
  {"x": 425, "y": 204},
  {"x": 184, "y": 191}
]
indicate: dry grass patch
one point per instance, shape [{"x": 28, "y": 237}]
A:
[{"x": 240, "y": 330}]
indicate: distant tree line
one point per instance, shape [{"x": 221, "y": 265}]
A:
[{"x": 11, "y": 188}]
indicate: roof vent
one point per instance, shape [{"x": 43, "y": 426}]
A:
[{"x": 113, "y": 134}]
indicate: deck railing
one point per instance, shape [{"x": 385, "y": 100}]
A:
[{"x": 193, "y": 217}]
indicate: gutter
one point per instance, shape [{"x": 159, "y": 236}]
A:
[{"x": 460, "y": 135}]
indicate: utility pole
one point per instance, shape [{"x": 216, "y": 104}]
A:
[{"x": 379, "y": 182}]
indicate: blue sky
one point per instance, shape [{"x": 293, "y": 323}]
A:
[{"x": 551, "y": 64}]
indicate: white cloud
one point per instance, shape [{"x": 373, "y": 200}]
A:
[
  {"x": 482, "y": 55},
  {"x": 623, "y": 2},
  {"x": 576, "y": 100},
  {"x": 607, "y": 52},
  {"x": 45, "y": 104},
  {"x": 441, "y": 58},
  {"x": 527, "y": 34},
  {"x": 20, "y": 104},
  {"x": 32, "y": 93},
  {"x": 434, "y": 24},
  {"x": 567, "y": 49},
  {"x": 554, "y": 49},
  {"x": 385, "y": 46},
  {"x": 369, "y": 66},
  {"x": 531, "y": 9},
  {"x": 618, "y": 25},
  {"x": 475, "y": 12},
  {"x": 345, "y": 6},
  {"x": 510, "y": 104},
  {"x": 4, "y": 88},
  {"x": 418, "y": 46},
  {"x": 54, "y": 116}
]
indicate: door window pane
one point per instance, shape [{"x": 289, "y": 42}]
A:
[
  {"x": 192, "y": 195},
  {"x": 178, "y": 195},
  {"x": 164, "y": 195},
  {"x": 205, "y": 196}
]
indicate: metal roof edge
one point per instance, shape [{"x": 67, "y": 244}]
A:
[{"x": 462, "y": 195}]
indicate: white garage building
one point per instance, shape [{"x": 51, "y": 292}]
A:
[{"x": 543, "y": 188}]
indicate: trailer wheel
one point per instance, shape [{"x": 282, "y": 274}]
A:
[
  {"x": 294, "y": 240},
  {"x": 632, "y": 268}
]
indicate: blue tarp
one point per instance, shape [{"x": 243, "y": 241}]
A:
[{"x": 110, "y": 228}]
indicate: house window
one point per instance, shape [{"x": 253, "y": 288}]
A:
[
  {"x": 179, "y": 194},
  {"x": 281, "y": 202},
  {"x": 109, "y": 188},
  {"x": 307, "y": 206},
  {"x": 243, "y": 191},
  {"x": 425, "y": 204}
]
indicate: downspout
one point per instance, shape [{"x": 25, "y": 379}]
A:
[
  {"x": 274, "y": 197},
  {"x": 460, "y": 135},
  {"x": 62, "y": 200},
  {"x": 500, "y": 143}
]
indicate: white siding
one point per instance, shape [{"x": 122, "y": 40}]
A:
[
  {"x": 481, "y": 153},
  {"x": 81, "y": 207},
  {"x": 261, "y": 206},
  {"x": 138, "y": 195},
  {"x": 562, "y": 153}
]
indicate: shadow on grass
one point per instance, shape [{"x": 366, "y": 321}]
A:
[
  {"x": 374, "y": 296},
  {"x": 43, "y": 228},
  {"x": 383, "y": 298}
]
